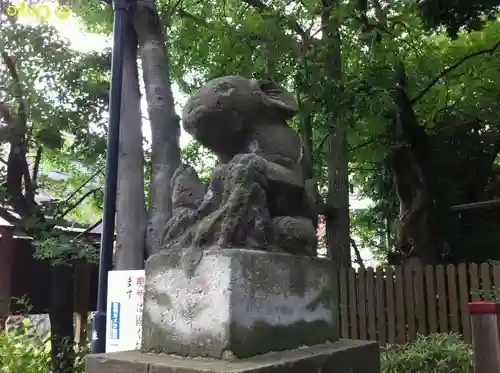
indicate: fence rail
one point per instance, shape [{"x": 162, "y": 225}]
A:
[{"x": 393, "y": 305}]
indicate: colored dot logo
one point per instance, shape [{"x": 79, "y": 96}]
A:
[
  {"x": 62, "y": 12},
  {"x": 42, "y": 12}
]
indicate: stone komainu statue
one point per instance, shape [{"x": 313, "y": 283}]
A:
[{"x": 260, "y": 195}]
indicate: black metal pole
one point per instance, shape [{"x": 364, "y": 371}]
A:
[{"x": 120, "y": 8}]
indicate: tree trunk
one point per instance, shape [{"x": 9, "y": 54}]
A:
[
  {"x": 337, "y": 227},
  {"x": 20, "y": 188},
  {"x": 419, "y": 233},
  {"x": 305, "y": 124},
  {"x": 165, "y": 129},
  {"x": 131, "y": 205},
  {"x": 61, "y": 318}
]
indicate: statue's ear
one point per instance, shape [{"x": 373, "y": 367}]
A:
[{"x": 278, "y": 97}]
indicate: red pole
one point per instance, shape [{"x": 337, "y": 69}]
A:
[{"x": 485, "y": 322}]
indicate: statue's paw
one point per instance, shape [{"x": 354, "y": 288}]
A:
[{"x": 295, "y": 235}]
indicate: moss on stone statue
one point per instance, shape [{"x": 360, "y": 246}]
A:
[
  {"x": 327, "y": 297},
  {"x": 163, "y": 300},
  {"x": 262, "y": 338}
]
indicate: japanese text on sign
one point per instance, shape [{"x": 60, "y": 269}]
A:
[
  {"x": 129, "y": 287},
  {"x": 140, "y": 307},
  {"x": 125, "y": 288},
  {"x": 115, "y": 320}
]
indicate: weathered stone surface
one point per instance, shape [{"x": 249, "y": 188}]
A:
[
  {"x": 220, "y": 114},
  {"x": 233, "y": 212},
  {"x": 276, "y": 142},
  {"x": 279, "y": 173},
  {"x": 344, "y": 356},
  {"x": 295, "y": 235},
  {"x": 241, "y": 302},
  {"x": 188, "y": 191},
  {"x": 265, "y": 173},
  {"x": 241, "y": 208}
]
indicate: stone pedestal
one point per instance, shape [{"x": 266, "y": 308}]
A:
[
  {"x": 343, "y": 356},
  {"x": 237, "y": 303},
  {"x": 240, "y": 311}
]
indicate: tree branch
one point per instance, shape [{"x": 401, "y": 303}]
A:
[
  {"x": 293, "y": 25},
  {"x": 36, "y": 164},
  {"x": 88, "y": 230},
  {"x": 17, "y": 168},
  {"x": 6, "y": 131},
  {"x": 260, "y": 38},
  {"x": 359, "y": 259},
  {"x": 379, "y": 13},
  {"x": 5, "y": 112},
  {"x": 92, "y": 177},
  {"x": 357, "y": 147},
  {"x": 10, "y": 62},
  {"x": 198, "y": 20},
  {"x": 29, "y": 186},
  {"x": 453, "y": 67},
  {"x": 78, "y": 202}
]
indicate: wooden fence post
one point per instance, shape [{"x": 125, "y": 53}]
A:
[{"x": 485, "y": 323}]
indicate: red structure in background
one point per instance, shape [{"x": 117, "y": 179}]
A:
[
  {"x": 485, "y": 321},
  {"x": 23, "y": 276}
]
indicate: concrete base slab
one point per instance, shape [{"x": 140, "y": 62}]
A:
[
  {"x": 343, "y": 356},
  {"x": 237, "y": 302}
]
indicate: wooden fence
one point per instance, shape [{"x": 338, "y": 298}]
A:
[{"x": 393, "y": 305}]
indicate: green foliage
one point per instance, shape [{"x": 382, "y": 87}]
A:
[
  {"x": 65, "y": 94},
  {"x": 200, "y": 158},
  {"x": 65, "y": 91},
  {"x": 96, "y": 16},
  {"x": 435, "y": 353},
  {"x": 61, "y": 249},
  {"x": 455, "y": 95},
  {"x": 470, "y": 14},
  {"x": 487, "y": 295},
  {"x": 22, "y": 350},
  {"x": 212, "y": 39},
  {"x": 369, "y": 231},
  {"x": 461, "y": 132}
]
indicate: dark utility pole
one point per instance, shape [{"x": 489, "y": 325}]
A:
[{"x": 120, "y": 9}]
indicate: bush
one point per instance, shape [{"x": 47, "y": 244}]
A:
[
  {"x": 22, "y": 350},
  {"x": 435, "y": 353}
]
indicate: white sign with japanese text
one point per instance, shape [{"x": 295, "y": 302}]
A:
[{"x": 124, "y": 310}]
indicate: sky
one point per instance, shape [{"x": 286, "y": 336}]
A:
[{"x": 83, "y": 41}]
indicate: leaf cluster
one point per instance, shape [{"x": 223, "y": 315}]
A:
[
  {"x": 24, "y": 350},
  {"x": 434, "y": 353},
  {"x": 454, "y": 15},
  {"x": 455, "y": 100},
  {"x": 65, "y": 96}
]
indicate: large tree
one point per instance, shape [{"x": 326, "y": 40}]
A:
[
  {"x": 456, "y": 15},
  {"x": 392, "y": 97},
  {"x": 389, "y": 106},
  {"x": 146, "y": 36},
  {"x": 52, "y": 101}
]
